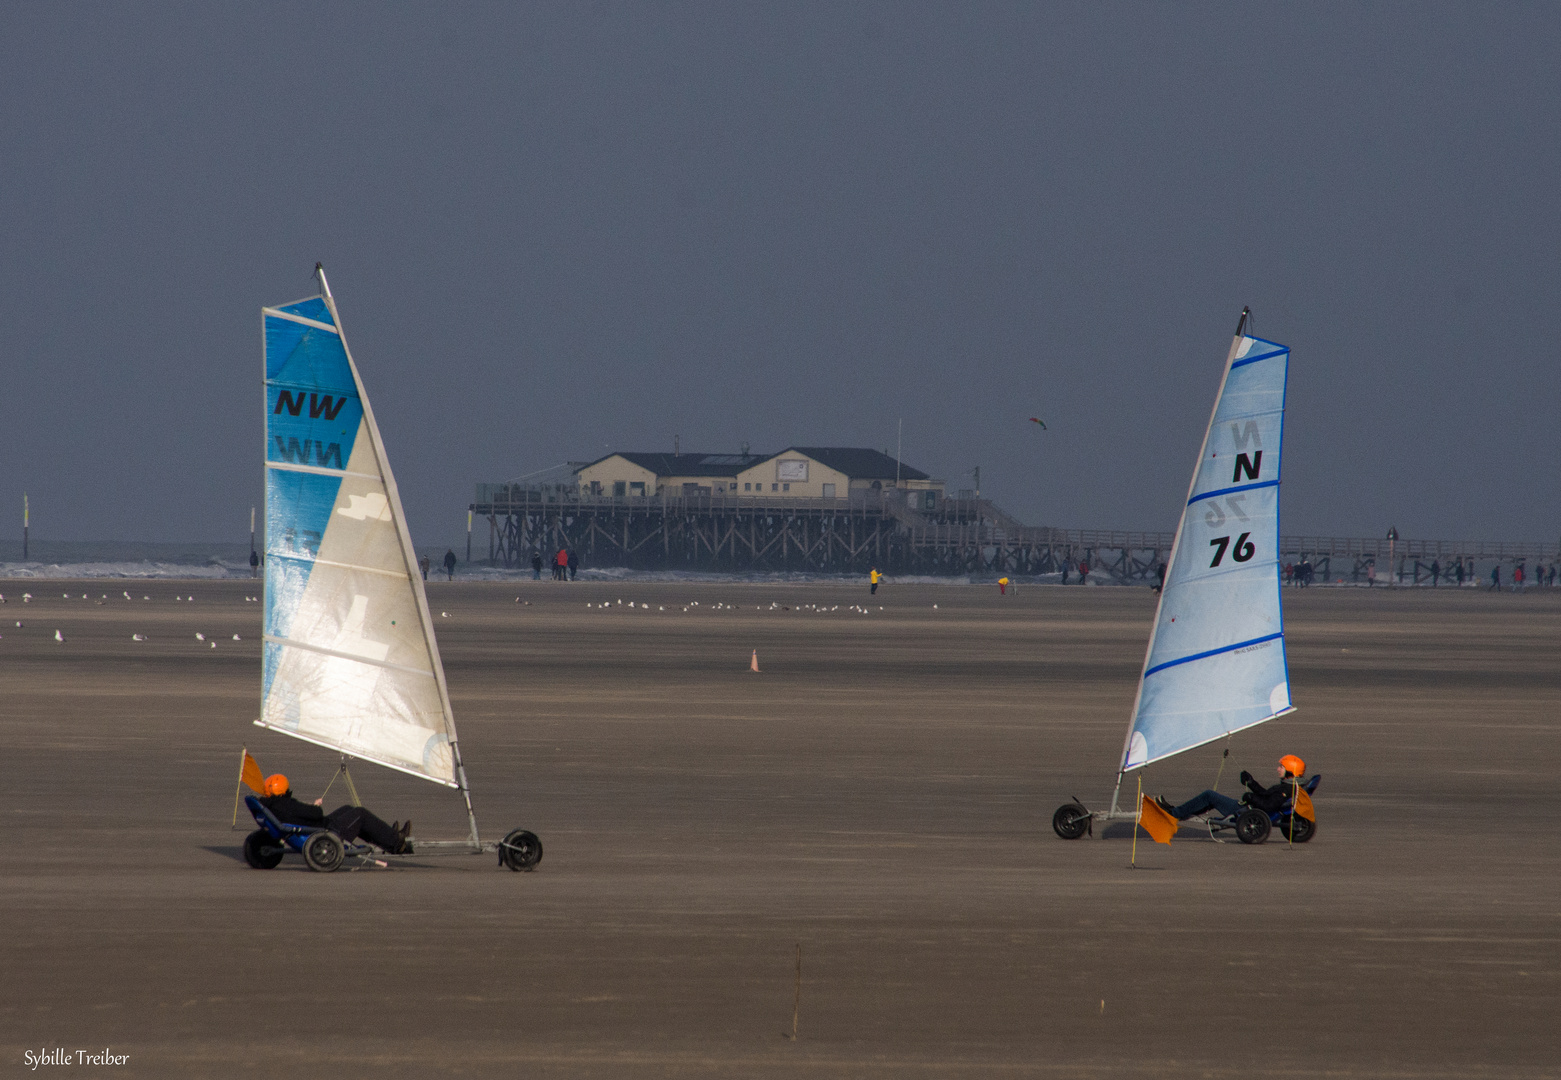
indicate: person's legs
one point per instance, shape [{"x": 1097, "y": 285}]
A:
[
  {"x": 1203, "y": 803},
  {"x": 351, "y": 822}
]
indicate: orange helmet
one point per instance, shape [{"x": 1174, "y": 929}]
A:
[
  {"x": 1293, "y": 765},
  {"x": 276, "y": 784}
]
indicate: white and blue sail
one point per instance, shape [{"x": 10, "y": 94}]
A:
[
  {"x": 1216, "y": 658},
  {"x": 350, "y": 659}
]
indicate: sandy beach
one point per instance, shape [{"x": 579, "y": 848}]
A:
[{"x": 880, "y": 794}]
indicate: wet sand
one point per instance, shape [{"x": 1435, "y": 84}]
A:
[{"x": 880, "y": 793}]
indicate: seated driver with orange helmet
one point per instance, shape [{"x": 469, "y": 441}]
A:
[
  {"x": 1267, "y": 799},
  {"x": 347, "y": 822}
]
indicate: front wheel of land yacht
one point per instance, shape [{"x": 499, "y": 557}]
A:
[
  {"x": 324, "y": 851},
  {"x": 261, "y": 851},
  {"x": 1252, "y": 827},
  {"x": 1070, "y": 821},
  {"x": 520, "y": 850}
]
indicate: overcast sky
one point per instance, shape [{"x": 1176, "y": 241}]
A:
[{"x": 555, "y": 231}]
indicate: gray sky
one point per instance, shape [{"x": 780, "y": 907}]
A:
[{"x": 557, "y": 230}]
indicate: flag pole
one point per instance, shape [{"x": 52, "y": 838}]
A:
[
  {"x": 1295, "y": 797},
  {"x": 1138, "y": 814},
  {"x": 238, "y": 787}
]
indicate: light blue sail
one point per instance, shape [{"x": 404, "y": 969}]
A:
[
  {"x": 1216, "y": 658},
  {"x": 350, "y": 660}
]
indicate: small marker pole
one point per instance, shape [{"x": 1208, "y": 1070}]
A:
[
  {"x": 25, "y": 523},
  {"x": 468, "y": 536},
  {"x": 796, "y": 1003}
]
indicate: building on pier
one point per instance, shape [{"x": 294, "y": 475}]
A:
[{"x": 798, "y": 472}]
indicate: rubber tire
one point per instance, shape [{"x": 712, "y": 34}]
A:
[
  {"x": 324, "y": 851},
  {"x": 529, "y": 851},
  {"x": 262, "y": 860},
  {"x": 1252, "y": 826},
  {"x": 1071, "y": 821},
  {"x": 1304, "y": 830}
]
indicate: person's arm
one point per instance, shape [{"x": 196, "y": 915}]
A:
[{"x": 290, "y": 811}]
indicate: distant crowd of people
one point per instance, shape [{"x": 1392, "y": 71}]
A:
[{"x": 565, "y": 565}]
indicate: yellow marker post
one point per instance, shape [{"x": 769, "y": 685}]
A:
[{"x": 1137, "y": 816}]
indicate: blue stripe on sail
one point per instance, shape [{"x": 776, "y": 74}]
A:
[
  {"x": 1227, "y": 491},
  {"x": 1254, "y": 359},
  {"x": 313, "y": 308},
  {"x": 1212, "y": 652}
]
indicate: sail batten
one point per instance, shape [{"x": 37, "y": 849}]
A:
[
  {"x": 349, "y": 656},
  {"x": 1216, "y": 663}
]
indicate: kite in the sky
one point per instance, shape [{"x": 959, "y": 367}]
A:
[{"x": 1038, "y": 420}]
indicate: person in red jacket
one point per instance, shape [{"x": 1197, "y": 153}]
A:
[{"x": 561, "y": 565}]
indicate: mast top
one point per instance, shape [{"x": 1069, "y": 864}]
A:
[
  {"x": 325, "y": 289},
  {"x": 1241, "y": 323}
]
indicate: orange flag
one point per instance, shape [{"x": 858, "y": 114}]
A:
[
  {"x": 249, "y": 773},
  {"x": 1156, "y": 822},
  {"x": 1303, "y": 805}
]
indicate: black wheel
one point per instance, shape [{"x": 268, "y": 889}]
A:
[
  {"x": 1070, "y": 821},
  {"x": 1297, "y": 829},
  {"x": 1252, "y": 827},
  {"x": 324, "y": 851},
  {"x": 261, "y": 851},
  {"x": 520, "y": 850}
]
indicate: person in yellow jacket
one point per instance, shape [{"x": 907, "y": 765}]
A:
[
  {"x": 874, "y": 577},
  {"x": 1002, "y": 586}
]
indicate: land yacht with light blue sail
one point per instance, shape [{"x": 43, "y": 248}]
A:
[{"x": 1216, "y": 658}]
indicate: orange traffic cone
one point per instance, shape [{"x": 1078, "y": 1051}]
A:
[{"x": 753, "y": 665}]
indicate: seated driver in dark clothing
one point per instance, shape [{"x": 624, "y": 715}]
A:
[
  {"x": 1267, "y": 799},
  {"x": 347, "y": 822}
]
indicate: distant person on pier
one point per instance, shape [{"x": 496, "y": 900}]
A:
[
  {"x": 1371, "y": 574},
  {"x": 1517, "y": 578},
  {"x": 1083, "y": 571},
  {"x": 1002, "y": 586},
  {"x": 449, "y": 564},
  {"x": 1552, "y": 580},
  {"x": 1436, "y": 573},
  {"x": 1459, "y": 573},
  {"x": 1065, "y": 567},
  {"x": 424, "y": 564},
  {"x": 561, "y": 565},
  {"x": 254, "y": 563},
  {"x": 873, "y": 578},
  {"x": 536, "y": 565},
  {"x": 574, "y": 565},
  {"x": 1159, "y": 577},
  {"x": 1495, "y": 577}
]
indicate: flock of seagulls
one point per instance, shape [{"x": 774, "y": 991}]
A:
[{"x": 59, "y": 635}]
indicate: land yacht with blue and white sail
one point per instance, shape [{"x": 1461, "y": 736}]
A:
[
  {"x": 350, "y": 661},
  {"x": 1215, "y": 664}
]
